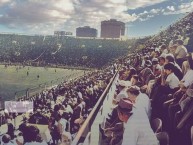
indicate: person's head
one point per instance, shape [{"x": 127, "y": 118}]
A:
[
  {"x": 148, "y": 63},
  {"x": 22, "y": 127},
  {"x": 121, "y": 75},
  {"x": 132, "y": 71},
  {"x": 169, "y": 58},
  {"x": 169, "y": 68},
  {"x": 157, "y": 70},
  {"x": 173, "y": 48},
  {"x": 32, "y": 133},
  {"x": 124, "y": 109},
  {"x": 155, "y": 61},
  {"x": 154, "y": 45},
  {"x": 133, "y": 92},
  {"x": 175, "y": 38},
  {"x": 163, "y": 47},
  {"x": 134, "y": 79},
  {"x": 56, "y": 108},
  {"x": 157, "y": 53},
  {"x": 146, "y": 57},
  {"x": 143, "y": 75},
  {"x": 6, "y": 138},
  {"x": 179, "y": 42},
  {"x": 161, "y": 61}
]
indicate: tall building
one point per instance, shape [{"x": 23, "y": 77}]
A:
[
  {"x": 112, "y": 29},
  {"x": 86, "y": 31}
]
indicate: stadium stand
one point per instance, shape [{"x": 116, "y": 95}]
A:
[
  {"x": 147, "y": 86},
  {"x": 69, "y": 51}
]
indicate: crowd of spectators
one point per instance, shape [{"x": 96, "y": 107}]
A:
[
  {"x": 156, "y": 82},
  {"x": 62, "y": 109},
  {"x": 69, "y": 51},
  {"x": 154, "y": 92}
]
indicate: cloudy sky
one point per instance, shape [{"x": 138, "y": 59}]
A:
[{"x": 142, "y": 17}]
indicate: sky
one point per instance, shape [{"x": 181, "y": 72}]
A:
[{"x": 142, "y": 17}]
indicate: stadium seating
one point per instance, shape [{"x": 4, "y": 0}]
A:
[
  {"x": 156, "y": 125},
  {"x": 71, "y": 103},
  {"x": 163, "y": 138}
]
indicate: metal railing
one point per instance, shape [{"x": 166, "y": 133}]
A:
[
  {"x": 86, "y": 127},
  {"x": 30, "y": 92}
]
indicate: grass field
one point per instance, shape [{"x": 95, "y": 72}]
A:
[{"x": 13, "y": 80}]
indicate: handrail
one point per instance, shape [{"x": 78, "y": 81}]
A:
[{"x": 96, "y": 107}]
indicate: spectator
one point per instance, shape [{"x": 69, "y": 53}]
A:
[
  {"x": 164, "y": 49},
  {"x": 177, "y": 70},
  {"x": 33, "y": 136},
  {"x": 140, "y": 100},
  {"x": 137, "y": 130},
  {"x": 180, "y": 53},
  {"x": 121, "y": 91},
  {"x": 10, "y": 130}
]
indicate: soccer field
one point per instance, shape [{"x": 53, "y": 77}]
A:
[{"x": 14, "y": 79}]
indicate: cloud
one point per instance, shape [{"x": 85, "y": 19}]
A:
[
  {"x": 171, "y": 8},
  {"x": 142, "y": 3},
  {"x": 181, "y": 9},
  {"x": 43, "y": 16},
  {"x": 146, "y": 15},
  {"x": 3, "y": 2},
  {"x": 155, "y": 11},
  {"x": 186, "y": 7},
  {"x": 32, "y": 14}
]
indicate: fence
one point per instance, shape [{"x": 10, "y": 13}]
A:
[
  {"x": 87, "y": 126},
  {"x": 30, "y": 92}
]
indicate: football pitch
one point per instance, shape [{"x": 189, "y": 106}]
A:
[{"x": 17, "y": 79}]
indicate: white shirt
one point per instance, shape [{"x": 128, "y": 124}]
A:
[
  {"x": 181, "y": 52},
  {"x": 138, "y": 131},
  {"x": 188, "y": 78},
  {"x": 142, "y": 102},
  {"x": 63, "y": 122},
  {"x": 68, "y": 109},
  {"x": 171, "y": 43},
  {"x": 143, "y": 63},
  {"x": 172, "y": 80},
  {"x": 80, "y": 95},
  {"x": 12, "y": 142}
]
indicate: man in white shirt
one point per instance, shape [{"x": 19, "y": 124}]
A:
[
  {"x": 137, "y": 128},
  {"x": 188, "y": 78},
  {"x": 140, "y": 100},
  {"x": 164, "y": 49},
  {"x": 171, "y": 83},
  {"x": 172, "y": 80},
  {"x": 180, "y": 53}
]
